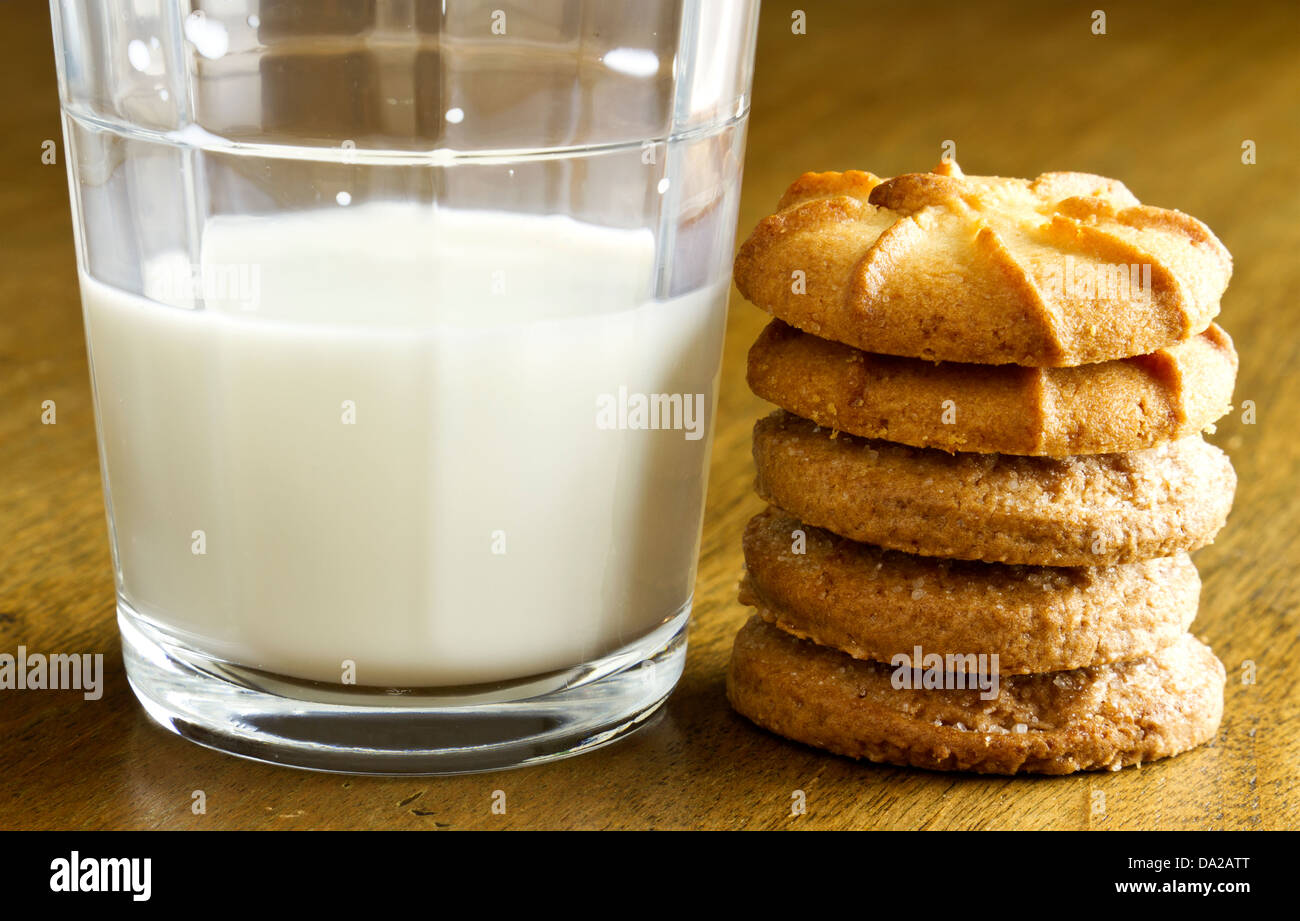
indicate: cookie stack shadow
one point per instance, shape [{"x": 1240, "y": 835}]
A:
[{"x": 986, "y": 473}]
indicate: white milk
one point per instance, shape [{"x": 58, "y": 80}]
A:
[{"x": 474, "y": 523}]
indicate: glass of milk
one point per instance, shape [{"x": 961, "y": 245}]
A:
[{"x": 404, "y": 322}]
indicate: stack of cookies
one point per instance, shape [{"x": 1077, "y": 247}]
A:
[{"x": 986, "y": 473}]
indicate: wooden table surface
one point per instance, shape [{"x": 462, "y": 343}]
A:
[{"x": 1164, "y": 101}]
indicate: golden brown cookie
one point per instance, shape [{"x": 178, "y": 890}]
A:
[
  {"x": 873, "y": 603},
  {"x": 1091, "y": 510},
  {"x": 1067, "y": 269},
  {"x": 1121, "y": 405},
  {"x": 1105, "y": 717}
]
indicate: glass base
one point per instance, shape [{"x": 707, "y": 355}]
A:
[{"x": 399, "y": 731}]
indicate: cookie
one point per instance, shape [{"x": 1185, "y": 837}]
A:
[
  {"x": 1090, "y": 510},
  {"x": 1067, "y": 269},
  {"x": 1121, "y": 405},
  {"x": 1105, "y": 717},
  {"x": 874, "y": 604}
]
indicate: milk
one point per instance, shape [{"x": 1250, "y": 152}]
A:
[{"x": 375, "y": 441}]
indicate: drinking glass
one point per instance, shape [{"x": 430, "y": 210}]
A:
[{"x": 404, "y": 322}]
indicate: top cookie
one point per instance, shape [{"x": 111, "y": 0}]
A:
[{"x": 1064, "y": 270}]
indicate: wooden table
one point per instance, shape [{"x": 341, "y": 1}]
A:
[{"x": 1163, "y": 101}]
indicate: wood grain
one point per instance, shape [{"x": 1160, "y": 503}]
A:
[{"x": 1163, "y": 101}]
